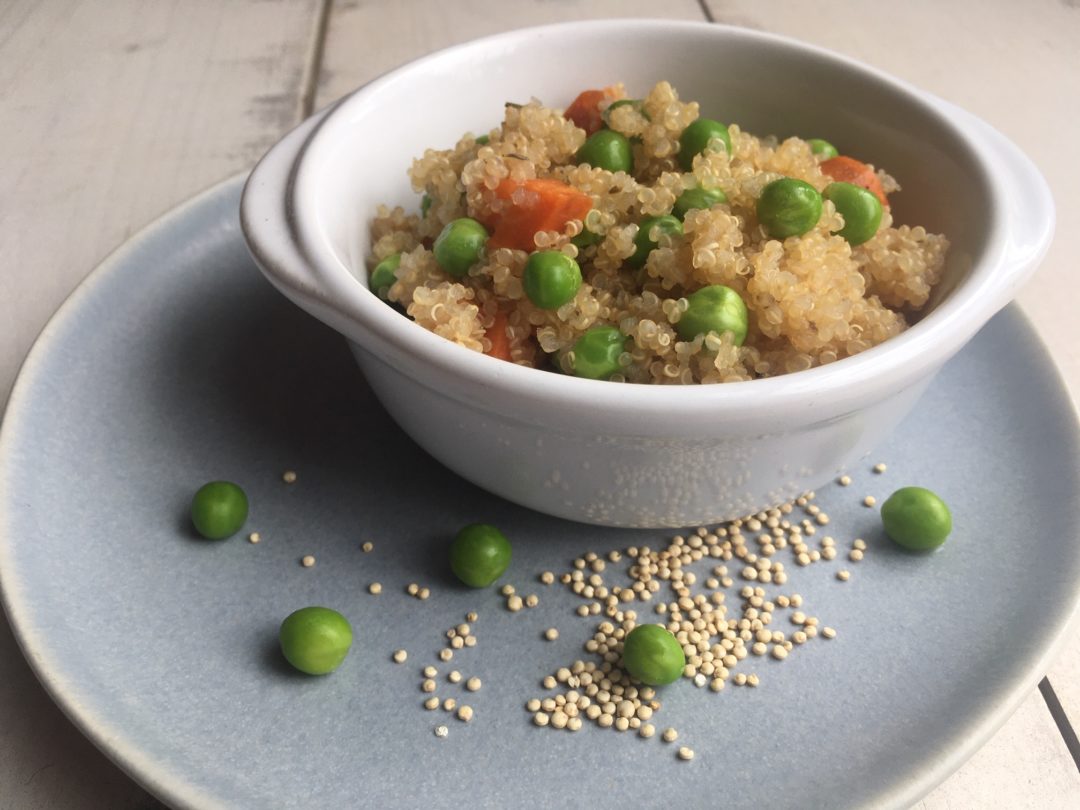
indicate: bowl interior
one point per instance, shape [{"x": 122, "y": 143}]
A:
[{"x": 765, "y": 84}]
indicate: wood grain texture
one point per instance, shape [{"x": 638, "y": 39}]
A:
[
  {"x": 369, "y": 37},
  {"x": 113, "y": 112},
  {"x": 111, "y": 118}
]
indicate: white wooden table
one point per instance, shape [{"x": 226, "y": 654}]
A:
[{"x": 114, "y": 111}]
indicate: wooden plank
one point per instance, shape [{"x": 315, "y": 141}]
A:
[
  {"x": 955, "y": 50},
  {"x": 112, "y": 116},
  {"x": 366, "y": 39},
  {"x": 1025, "y": 766}
]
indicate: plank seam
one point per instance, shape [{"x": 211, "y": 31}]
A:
[
  {"x": 309, "y": 79},
  {"x": 705, "y": 10},
  {"x": 1061, "y": 720}
]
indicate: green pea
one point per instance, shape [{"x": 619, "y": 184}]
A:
[
  {"x": 596, "y": 353},
  {"x": 483, "y": 140},
  {"x": 644, "y": 241},
  {"x": 697, "y": 198},
  {"x": 861, "y": 210},
  {"x": 715, "y": 308},
  {"x": 586, "y": 239},
  {"x": 699, "y": 136},
  {"x": 219, "y": 509},
  {"x": 315, "y": 639},
  {"x": 425, "y": 204},
  {"x": 460, "y": 245},
  {"x": 823, "y": 148},
  {"x": 382, "y": 276},
  {"x": 788, "y": 207},
  {"x": 607, "y": 149},
  {"x": 653, "y": 655},
  {"x": 916, "y": 518},
  {"x": 479, "y": 555},
  {"x": 551, "y": 278}
]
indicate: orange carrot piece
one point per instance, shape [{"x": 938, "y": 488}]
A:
[
  {"x": 585, "y": 111},
  {"x": 532, "y": 206},
  {"x": 500, "y": 341},
  {"x": 849, "y": 170}
]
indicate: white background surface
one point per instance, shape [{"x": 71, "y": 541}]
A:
[{"x": 114, "y": 111}]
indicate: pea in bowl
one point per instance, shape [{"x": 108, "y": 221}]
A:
[{"x": 622, "y": 453}]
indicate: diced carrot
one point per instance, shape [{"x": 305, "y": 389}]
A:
[
  {"x": 500, "y": 341},
  {"x": 531, "y": 206},
  {"x": 849, "y": 170},
  {"x": 585, "y": 111}
]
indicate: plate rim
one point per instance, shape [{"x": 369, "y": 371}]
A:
[{"x": 157, "y": 778}]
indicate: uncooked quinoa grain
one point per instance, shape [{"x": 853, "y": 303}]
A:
[
  {"x": 686, "y": 754},
  {"x": 551, "y": 634},
  {"x": 366, "y": 547},
  {"x": 289, "y": 477},
  {"x": 307, "y": 560},
  {"x": 441, "y": 731},
  {"x": 254, "y": 537},
  {"x": 375, "y": 588},
  {"x": 400, "y": 656}
]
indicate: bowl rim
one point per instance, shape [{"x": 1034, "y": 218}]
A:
[{"x": 844, "y": 385}]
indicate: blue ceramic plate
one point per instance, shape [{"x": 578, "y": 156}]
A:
[{"x": 176, "y": 364}]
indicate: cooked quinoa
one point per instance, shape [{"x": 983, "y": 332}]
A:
[{"x": 811, "y": 299}]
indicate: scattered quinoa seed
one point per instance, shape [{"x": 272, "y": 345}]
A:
[
  {"x": 843, "y": 575},
  {"x": 449, "y": 704},
  {"x": 307, "y": 560},
  {"x": 368, "y": 546},
  {"x": 465, "y": 713},
  {"x": 430, "y": 672},
  {"x": 855, "y": 555},
  {"x": 869, "y": 500},
  {"x": 375, "y": 588},
  {"x": 254, "y": 537},
  {"x": 412, "y": 589},
  {"x": 431, "y": 704},
  {"x": 400, "y": 656},
  {"x": 670, "y": 735},
  {"x": 551, "y": 634},
  {"x": 454, "y": 676},
  {"x": 686, "y": 754},
  {"x": 441, "y": 731},
  {"x": 828, "y": 632},
  {"x": 423, "y": 593},
  {"x": 879, "y": 468},
  {"x": 532, "y": 600},
  {"x": 473, "y": 684},
  {"x": 428, "y": 685},
  {"x": 547, "y": 578},
  {"x": 845, "y": 480},
  {"x": 289, "y": 477}
]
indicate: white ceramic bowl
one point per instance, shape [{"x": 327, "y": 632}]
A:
[{"x": 638, "y": 455}]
